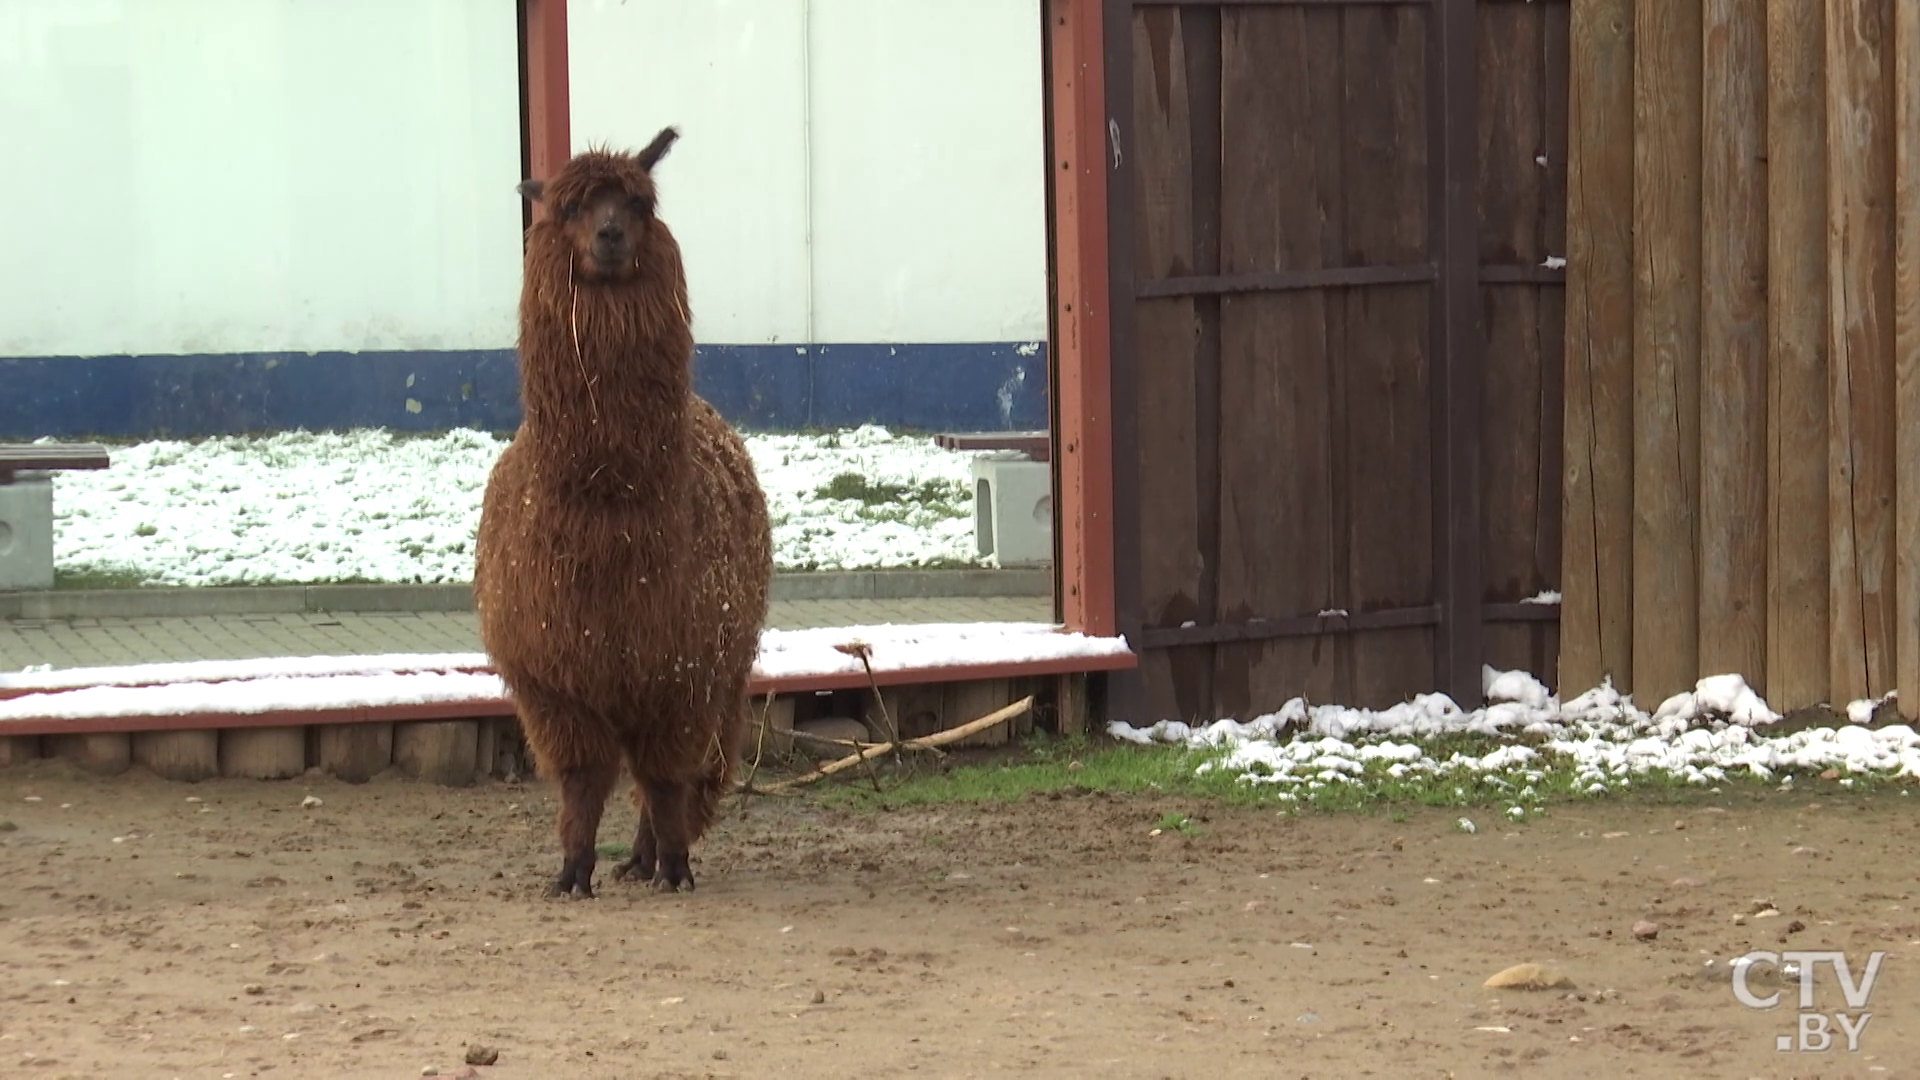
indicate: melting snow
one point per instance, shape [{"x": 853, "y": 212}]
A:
[
  {"x": 373, "y": 506},
  {"x": 1701, "y": 736}
]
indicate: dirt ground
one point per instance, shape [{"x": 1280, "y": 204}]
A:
[{"x": 163, "y": 930}]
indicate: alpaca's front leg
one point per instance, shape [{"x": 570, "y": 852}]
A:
[{"x": 583, "y": 798}]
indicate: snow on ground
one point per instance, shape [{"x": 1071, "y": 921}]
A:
[
  {"x": 1702, "y": 736},
  {"x": 373, "y": 506}
]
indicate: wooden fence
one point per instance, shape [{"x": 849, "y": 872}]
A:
[
  {"x": 1743, "y": 336},
  {"x": 1336, "y": 337}
]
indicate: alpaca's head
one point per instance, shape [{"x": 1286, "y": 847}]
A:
[{"x": 602, "y": 204}]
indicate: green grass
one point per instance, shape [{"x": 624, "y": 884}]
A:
[
  {"x": 942, "y": 494},
  {"x": 1052, "y": 767},
  {"x": 98, "y": 578}
]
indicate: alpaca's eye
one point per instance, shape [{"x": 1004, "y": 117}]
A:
[
  {"x": 641, "y": 207},
  {"x": 569, "y": 211}
]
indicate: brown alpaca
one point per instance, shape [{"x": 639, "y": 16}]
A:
[{"x": 624, "y": 553}]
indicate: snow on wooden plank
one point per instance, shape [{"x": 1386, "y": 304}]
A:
[{"x": 300, "y": 690}]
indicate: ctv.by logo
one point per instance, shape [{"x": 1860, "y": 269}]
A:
[{"x": 1814, "y": 1034}]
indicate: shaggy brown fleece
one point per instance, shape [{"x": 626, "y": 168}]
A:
[{"x": 624, "y": 552}]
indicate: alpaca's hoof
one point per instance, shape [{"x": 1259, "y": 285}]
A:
[
  {"x": 574, "y": 879},
  {"x": 673, "y": 874},
  {"x": 634, "y": 869}
]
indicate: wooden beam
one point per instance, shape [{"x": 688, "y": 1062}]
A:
[
  {"x": 1733, "y": 344},
  {"x": 1596, "y": 624},
  {"x": 1797, "y": 561},
  {"x": 1906, "y": 344},
  {"x": 1666, "y": 346},
  {"x": 1860, "y": 188}
]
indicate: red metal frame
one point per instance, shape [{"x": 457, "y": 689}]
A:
[
  {"x": 1083, "y": 346},
  {"x": 549, "y": 144}
]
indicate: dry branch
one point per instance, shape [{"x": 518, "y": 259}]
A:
[{"x": 998, "y": 716}]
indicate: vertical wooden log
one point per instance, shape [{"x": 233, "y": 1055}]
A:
[
  {"x": 1596, "y": 610},
  {"x": 486, "y": 747},
  {"x": 778, "y": 722},
  {"x": 276, "y": 753},
  {"x": 183, "y": 756},
  {"x": 18, "y": 749},
  {"x": 1666, "y": 347},
  {"x": 1860, "y": 319},
  {"x": 355, "y": 753},
  {"x": 1798, "y": 593},
  {"x": 1167, "y": 338},
  {"x": 1733, "y": 342},
  {"x": 1071, "y": 707},
  {"x": 1906, "y": 337},
  {"x": 438, "y": 751},
  {"x": 105, "y": 753}
]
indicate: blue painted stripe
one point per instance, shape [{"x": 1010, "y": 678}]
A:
[{"x": 985, "y": 387}]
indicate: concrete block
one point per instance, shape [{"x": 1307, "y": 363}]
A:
[
  {"x": 26, "y": 532},
  {"x": 1013, "y": 510}
]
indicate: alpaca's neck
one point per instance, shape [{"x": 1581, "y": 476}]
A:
[{"x": 606, "y": 382}]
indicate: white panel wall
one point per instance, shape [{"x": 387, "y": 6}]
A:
[
  {"x": 929, "y": 171},
  {"x": 729, "y": 75},
  {"x": 850, "y": 171},
  {"x": 210, "y": 176}
]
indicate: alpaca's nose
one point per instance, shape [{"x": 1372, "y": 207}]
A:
[{"x": 611, "y": 232}]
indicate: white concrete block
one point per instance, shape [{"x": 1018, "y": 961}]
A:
[
  {"x": 1013, "y": 510},
  {"x": 26, "y": 532}
]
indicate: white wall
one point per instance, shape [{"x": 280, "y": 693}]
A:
[
  {"x": 210, "y": 176},
  {"x": 849, "y": 171},
  {"x": 729, "y": 75}
]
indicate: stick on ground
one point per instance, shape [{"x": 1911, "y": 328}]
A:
[{"x": 998, "y": 716}]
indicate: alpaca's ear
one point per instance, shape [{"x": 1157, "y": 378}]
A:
[
  {"x": 532, "y": 190},
  {"x": 658, "y": 148}
]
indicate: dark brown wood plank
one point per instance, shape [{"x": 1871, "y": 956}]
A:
[
  {"x": 1106, "y": 128},
  {"x": 1799, "y": 669},
  {"x": 1271, "y": 4},
  {"x": 1386, "y": 355},
  {"x": 1511, "y": 274},
  {"x": 1165, "y": 337},
  {"x": 1666, "y": 347},
  {"x": 1733, "y": 342},
  {"x": 1860, "y": 128},
  {"x": 1906, "y": 345},
  {"x": 1549, "y": 507},
  {"x": 1512, "y": 190},
  {"x": 1596, "y": 624},
  {"x": 1324, "y": 624},
  {"x": 1455, "y": 349},
  {"x": 1280, "y": 170},
  {"x": 1287, "y": 280},
  {"x": 1200, "y": 34}
]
